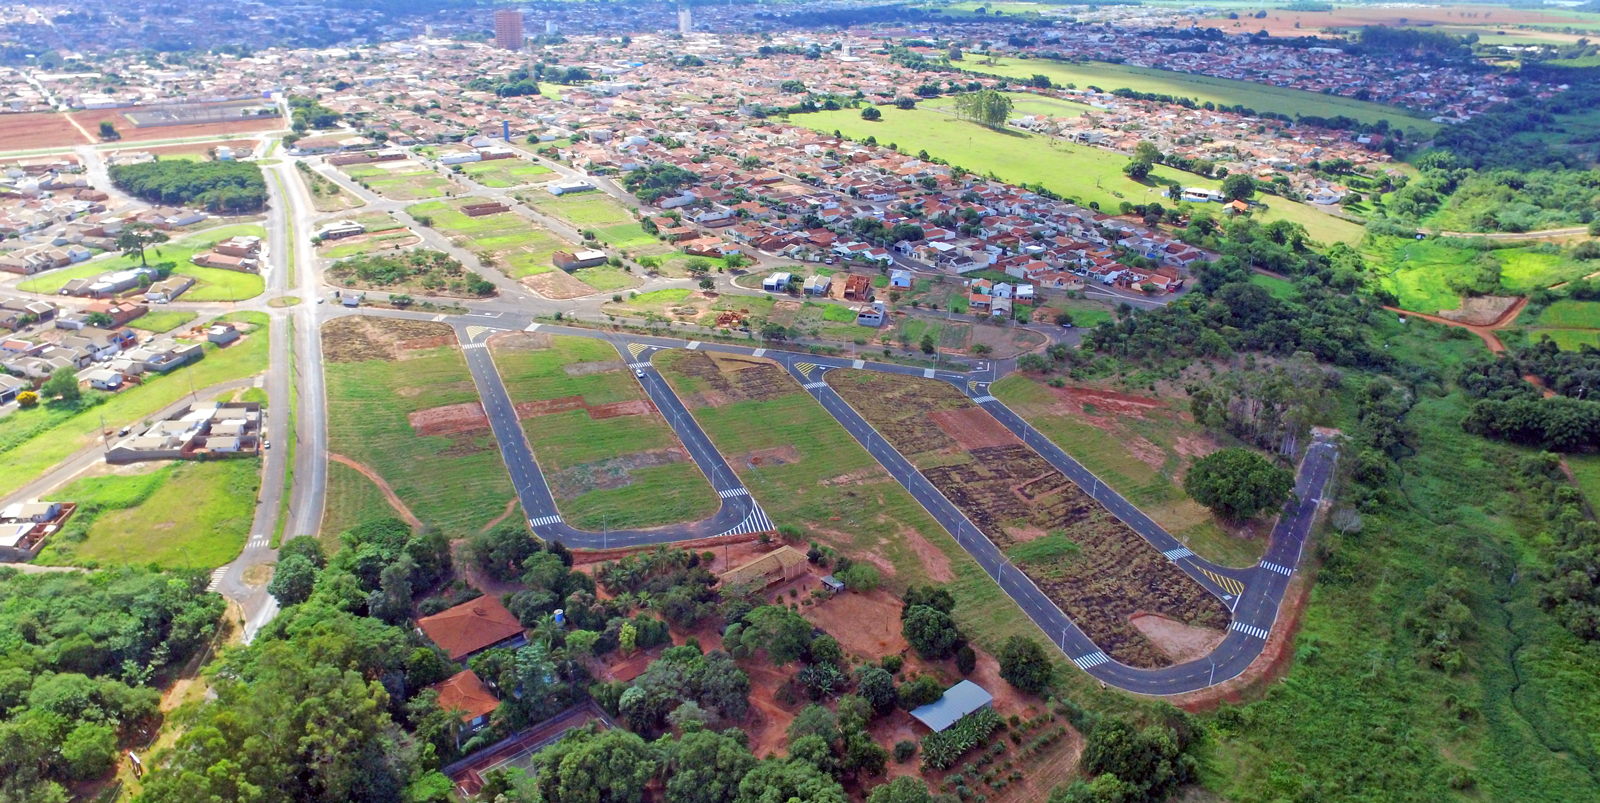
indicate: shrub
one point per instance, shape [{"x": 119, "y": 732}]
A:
[
  {"x": 942, "y": 750},
  {"x": 904, "y": 750}
]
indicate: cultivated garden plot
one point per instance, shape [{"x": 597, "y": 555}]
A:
[
  {"x": 395, "y": 392},
  {"x": 402, "y": 180},
  {"x": 611, "y": 459},
  {"x": 1094, "y": 566}
]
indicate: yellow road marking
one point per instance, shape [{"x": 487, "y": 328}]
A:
[
  {"x": 805, "y": 369},
  {"x": 635, "y": 349},
  {"x": 1228, "y": 584}
]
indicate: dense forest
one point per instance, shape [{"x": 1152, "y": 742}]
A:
[
  {"x": 226, "y": 187},
  {"x": 82, "y": 658}
]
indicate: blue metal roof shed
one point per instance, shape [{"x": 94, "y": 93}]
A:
[{"x": 958, "y": 701}]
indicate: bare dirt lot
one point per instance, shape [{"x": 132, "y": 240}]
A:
[
  {"x": 359, "y": 338},
  {"x": 1179, "y": 641},
  {"x": 567, "y": 404},
  {"x": 1480, "y": 310},
  {"x": 723, "y": 379},
  {"x": 557, "y": 285},
  {"x": 972, "y": 428},
  {"x": 867, "y": 625},
  {"x": 1103, "y": 575},
  {"x": 449, "y": 419},
  {"x": 1282, "y": 23}
]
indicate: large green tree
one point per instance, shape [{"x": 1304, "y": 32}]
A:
[
  {"x": 985, "y": 107},
  {"x": 1024, "y": 664},
  {"x": 611, "y": 766},
  {"x": 706, "y": 767},
  {"x": 1237, "y": 483},
  {"x": 930, "y": 631}
]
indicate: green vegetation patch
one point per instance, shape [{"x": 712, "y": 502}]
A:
[
  {"x": 162, "y": 321},
  {"x": 179, "y": 251},
  {"x": 502, "y": 173},
  {"x": 584, "y": 210},
  {"x": 512, "y": 243},
  {"x": 189, "y": 514},
  {"x": 1049, "y": 549}
]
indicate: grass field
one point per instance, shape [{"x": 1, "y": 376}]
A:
[
  {"x": 589, "y": 210},
  {"x": 606, "y": 473},
  {"x": 1202, "y": 88},
  {"x": 1279, "y": 288},
  {"x": 402, "y": 182},
  {"x": 352, "y": 499},
  {"x": 189, "y": 514},
  {"x": 211, "y": 284},
  {"x": 1023, "y": 103},
  {"x": 1079, "y": 172},
  {"x": 31, "y": 441},
  {"x": 502, "y": 173},
  {"x": 454, "y": 482},
  {"x": 326, "y": 194},
  {"x": 519, "y": 247},
  {"x": 1106, "y": 446},
  {"x": 835, "y": 492},
  {"x": 1425, "y": 275},
  {"x": 1570, "y": 324},
  {"x": 162, "y": 321}
]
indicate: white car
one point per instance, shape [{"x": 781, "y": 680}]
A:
[{"x": 638, "y": 372}]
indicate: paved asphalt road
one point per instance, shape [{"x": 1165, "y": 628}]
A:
[{"x": 1254, "y": 595}]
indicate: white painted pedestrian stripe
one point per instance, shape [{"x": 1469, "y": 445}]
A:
[
  {"x": 732, "y": 492},
  {"x": 544, "y": 521},
  {"x": 1179, "y": 553},
  {"x": 756, "y": 522},
  {"x": 532, "y": 327},
  {"x": 216, "y": 578},
  {"x": 927, "y": 373},
  {"x": 1250, "y": 630},
  {"x": 859, "y": 364},
  {"x": 984, "y": 399},
  {"x": 758, "y": 352},
  {"x": 470, "y": 346},
  {"x": 1273, "y": 567},
  {"x": 1091, "y": 660},
  {"x": 814, "y": 385},
  {"x": 258, "y": 542},
  {"x": 638, "y": 366},
  {"x": 693, "y": 344}
]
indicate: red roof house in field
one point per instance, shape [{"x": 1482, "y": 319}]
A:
[
  {"x": 466, "y": 693},
  {"x": 471, "y": 627}
]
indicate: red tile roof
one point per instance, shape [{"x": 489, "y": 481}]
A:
[
  {"x": 465, "y": 692},
  {"x": 470, "y": 626}
]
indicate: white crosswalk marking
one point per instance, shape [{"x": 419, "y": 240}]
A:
[
  {"x": 693, "y": 344},
  {"x": 927, "y": 373},
  {"x": 859, "y": 364},
  {"x": 758, "y": 352},
  {"x": 471, "y": 346},
  {"x": 1176, "y": 554},
  {"x": 532, "y": 327},
  {"x": 258, "y": 542},
  {"x": 732, "y": 492},
  {"x": 756, "y": 522},
  {"x": 638, "y": 366},
  {"x": 1250, "y": 630},
  {"x": 216, "y": 578},
  {"x": 544, "y": 521},
  {"x": 1091, "y": 660},
  {"x": 983, "y": 399},
  {"x": 814, "y": 385},
  {"x": 1273, "y": 567}
]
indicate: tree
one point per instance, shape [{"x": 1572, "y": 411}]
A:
[
  {"x": 708, "y": 283},
  {"x": 292, "y": 580},
  {"x": 27, "y": 399},
  {"x": 784, "y": 634},
  {"x": 1024, "y": 664},
  {"x": 63, "y": 384},
  {"x": 859, "y": 576},
  {"x": 930, "y": 631},
  {"x": 904, "y": 789},
  {"x": 905, "y": 102},
  {"x": 1238, "y": 187},
  {"x": 108, "y": 131},
  {"x": 1147, "y": 765},
  {"x": 90, "y": 750},
  {"x": 100, "y": 320},
  {"x": 985, "y": 107},
  {"x": 876, "y": 686},
  {"x": 1039, "y": 81},
  {"x": 814, "y": 720},
  {"x": 611, "y": 766},
  {"x": 1237, "y": 483},
  {"x": 1147, "y": 152},
  {"x": 927, "y": 345},
  {"x": 706, "y": 767},
  {"x": 780, "y": 781},
  {"x": 1136, "y": 170},
  {"x": 136, "y": 237},
  {"x": 501, "y": 550},
  {"x": 871, "y": 113}
]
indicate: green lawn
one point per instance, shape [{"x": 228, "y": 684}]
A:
[
  {"x": 605, "y": 277},
  {"x": 625, "y": 235},
  {"x": 595, "y": 210},
  {"x": 1571, "y": 314},
  {"x": 162, "y": 321},
  {"x": 1425, "y": 275},
  {"x": 862, "y": 512},
  {"x": 1023, "y": 103},
  {"x": 1078, "y": 172},
  {"x": 502, "y": 173},
  {"x": 401, "y": 185},
  {"x": 457, "y": 483},
  {"x": 519, "y": 247},
  {"x": 209, "y": 281},
  {"x": 602, "y": 471},
  {"x": 31, "y": 441},
  {"x": 1279, "y": 288},
  {"x": 1105, "y": 451},
  {"x": 189, "y": 514},
  {"x": 351, "y": 500},
  {"x": 1260, "y": 97}
]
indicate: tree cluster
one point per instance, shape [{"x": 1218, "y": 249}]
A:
[
  {"x": 226, "y": 187},
  {"x": 434, "y": 270}
]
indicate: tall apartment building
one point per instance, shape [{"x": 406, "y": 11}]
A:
[{"x": 508, "y": 29}]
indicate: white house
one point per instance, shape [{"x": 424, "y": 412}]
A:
[
  {"x": 899, "y": 278},
  {"x": 103, "y": 379},
  {"x": 776, "y": 283}
]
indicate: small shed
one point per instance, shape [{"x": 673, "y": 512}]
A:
[
  {"x": 783, "y": 563},
  {"x": 958, "y": 701},
  {"x": 833, "y": 584}
]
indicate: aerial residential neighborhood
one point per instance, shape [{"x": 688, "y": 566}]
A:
[{"x": 634, "y": 402}]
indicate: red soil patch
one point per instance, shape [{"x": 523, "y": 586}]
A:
[
  {"x": 558, "y": 285},
  {"x": 1108, "y": 401},
  {"x": 511, "y": 504},
  {"x": 973, "y": 428},
  {"x": 769, "y": 719},
  {"x": 1179, "y": 641},
  {"x": 867, "y": 625},
  {"x": 449, "y": 419},
  {"x": 777, "y": 456},
  {"x": 418, "y": 344},
  {"x": 933, "y": 559},
  {"x": 1268, "y": 667},
  {"x": 198, "y": 147},
  {"x": 567, "y": 404},
  {"x": 39, "y": 130},
  {"x": 388, "y": 492},
  {"x": 90, "y": 120},
  {"x": 1486, "y": 332}
]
